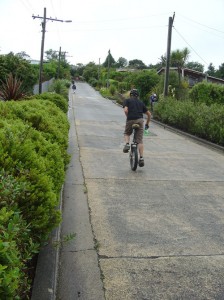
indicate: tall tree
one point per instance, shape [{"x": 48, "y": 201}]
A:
[
  {"x": 193, "y": 65},
  {"x": 179, "y": 58},
  {"x": 20, "y": 68},
  {"x": 211, "y": 70},
  {"x": 137, "y": 64},
  {"x": 122, "y": 62},
  {"x": 220, "y": 71},
  {"x": 109, "y": 60},
  {"x": 52, "y": 54}
]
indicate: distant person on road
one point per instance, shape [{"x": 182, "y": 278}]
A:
[
  {"x": 134, "y": 110},
  {"x": 73, "y": 87},
  {"x": 153, "y": 99}
]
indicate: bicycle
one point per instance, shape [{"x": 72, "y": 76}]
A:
[{"x": 133, "y": 155}]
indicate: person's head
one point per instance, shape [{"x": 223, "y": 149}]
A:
[
  {"x": 154, "y": 95},
  {"x": 134, "y": 93}
]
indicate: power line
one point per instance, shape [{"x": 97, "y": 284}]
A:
[
  {"x": 44, "y": 18},
  {"x": 196, "y": 22},
  {"x": 190, "y": 46}
]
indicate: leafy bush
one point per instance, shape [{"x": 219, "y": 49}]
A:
[
  {"x": 93, "y": 82},
  {"x": 16, "y": 245},
  {"x": 33, "y": 156},
  {"x": 112, "y": 90},
  {"x": 57, "y": 99},
  {"x": 208, "y": 93},
  {"x": 44, "y": 117},
  {"x": 204, "y": 121},
  {"x": 27, "y": 156},
  {"x": 21, "y": 69}
]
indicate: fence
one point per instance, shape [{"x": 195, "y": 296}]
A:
[{"x": 45, "y": 86}]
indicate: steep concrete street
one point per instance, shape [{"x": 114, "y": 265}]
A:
[{"x": 157, "y": 233}]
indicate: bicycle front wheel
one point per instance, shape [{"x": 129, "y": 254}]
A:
[{"x": 134, "y": 157}]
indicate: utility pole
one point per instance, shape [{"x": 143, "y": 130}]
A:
[
  {"x": 166, "y": 81},
  {"x": 108, "y": 69},
  {"x": 59, "y": 62},
  {"x": 99, "y": 70},
  {"x": 42, "y": 42}
]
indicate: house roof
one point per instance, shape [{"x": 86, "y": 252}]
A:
[{"x": 193, "y": 73}]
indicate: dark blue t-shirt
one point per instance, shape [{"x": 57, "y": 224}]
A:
[{"x": 136, "y": 108}]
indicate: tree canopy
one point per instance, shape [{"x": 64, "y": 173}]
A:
[
  {"x": 110, "y": 61},
  {"x": 137, "y": 64}
]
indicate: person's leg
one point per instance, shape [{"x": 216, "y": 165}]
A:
[
  {"x": 127, "y": 134},
  {"x": 127, "y": 139},
  {"x": 140, "y": 149},
  {"x": 139, "y": 139}
]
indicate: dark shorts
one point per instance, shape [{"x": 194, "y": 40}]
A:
[{"x": 139, "y": 132}]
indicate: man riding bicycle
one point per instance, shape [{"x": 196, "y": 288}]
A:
[{"x": 134, "y": 110}]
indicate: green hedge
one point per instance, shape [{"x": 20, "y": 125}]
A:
[
  {"x": 199, "y": 119},
  {"x": 42, "y": 115},
  {"x": 57, "y": 99},
  {"x": 33, "y": 158},
  {"x": 208, "y": 93}
]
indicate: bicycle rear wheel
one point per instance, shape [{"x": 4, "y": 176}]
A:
[{"x": 134, "y": 157}]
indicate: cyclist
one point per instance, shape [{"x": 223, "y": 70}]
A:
[{"x": 134, "y": 110}]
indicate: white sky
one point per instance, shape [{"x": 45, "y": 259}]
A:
[{"x": 129, "y": 28}]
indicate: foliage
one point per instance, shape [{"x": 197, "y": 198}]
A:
[
  {"x": 77, "y": 70},
  {"x": 109, "y": 61},
  {"x": 178, "y": 88},
  {"x": 20, "y": 68},
  {"x": 60, "y": 86},
  {"x": 42, "y": 116},
  {"x": 27, "y": 156},
  {"x": 90, "y": 71},
  {"x": 112, "y": 90},
  {"x": 107, "y": 92},
  {"x": 93, "y": 82},
  {"x": 16, "y": 245},
  {"x": 211, "y": 70},
  {"x": 137, "y": 64},
  {"x": 121, "y": 62},
  {"x": 16, "y": 249},
  {"x": 208, "y": 93},
  {"x": 193, "y": 65},
  {"x": 144, "y": 82},
  {"x": 33, "y": 143},
  {"x": 220, "y": 71},
  {"x": 11, "y": 89},
  {"x": 57, "y": 99},
  {"x": 199, "y": 119}
]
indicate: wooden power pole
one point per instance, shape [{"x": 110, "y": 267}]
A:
[{"x": 166, "y": 81}]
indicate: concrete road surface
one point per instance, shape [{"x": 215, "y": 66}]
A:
[{"x": 157, "y": 233}]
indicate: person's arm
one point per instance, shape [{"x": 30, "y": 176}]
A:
[
  {"x": 148, "y": 114},
  {"x": 126, "y": 110}
]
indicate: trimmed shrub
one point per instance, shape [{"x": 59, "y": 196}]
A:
[
  {"x": 57, "y": 99},
  {"x": 37, "y": 163},
  {"x": 208, "y": 93},
  {"x": 16, "y": 245},
  {"x": 44, "y": 117},
  {"x": 199, "y": 119}
]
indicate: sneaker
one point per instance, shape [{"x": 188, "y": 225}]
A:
[
  {"x": 126, "y": 148},
  {"x": 141, "y": 162}
]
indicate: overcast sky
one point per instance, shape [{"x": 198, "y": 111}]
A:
[{"x": 129, "y": 28}]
